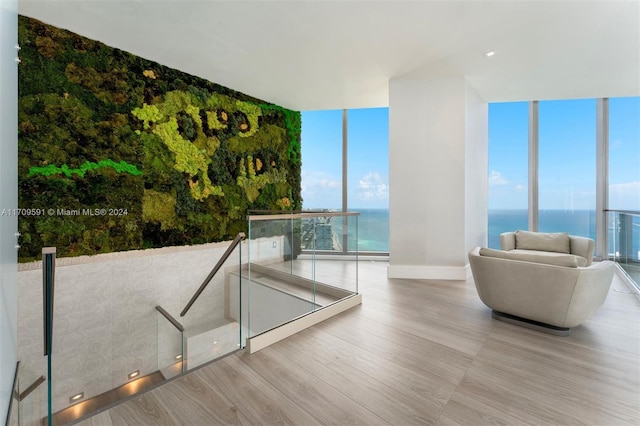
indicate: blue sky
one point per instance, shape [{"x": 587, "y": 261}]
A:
[
  {"x": 567, "y": 157},
  {"x": 368, "y": 158},
  {"x": 566, "y": 164}
]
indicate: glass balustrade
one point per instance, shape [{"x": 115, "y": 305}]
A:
[
  {"x": 291, "y": 269},
  {"x": 624, "y": 242},
  {"x": 211, "y": 329},
  {"x": 30, "y": 402},
  {"x": 124, "y": 323},
  {"x": 170, "y": 343},
  {"x": 117, "y": 329}
]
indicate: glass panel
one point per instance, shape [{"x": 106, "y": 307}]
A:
[
  {"x": 280, "y": 287},
  {"x": 212, "y": 324},
  {"x": 624, "y": 154},
  {"x": 271, "y": 296},
  {"x": 368, "y": 176},
  {"x": 170, "y": 348},
  {"x": 33, "y": 408},
  {"x": 508, "y": 165},
  {"x": 567, "y": 167},
  {"x": 624, "y": 243},
  {"x": 322, "y": 159}
]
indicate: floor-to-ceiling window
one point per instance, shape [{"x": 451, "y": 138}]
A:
[
  {"x": 322, "y": 160},
  {"x": 508, "y": 136},
  {"x": 365, "y": 180},
  {"x": 368, "y": 176},
  {"x": 567, "y": 167},
  {"x": 567, "y": 181},
  {"x": 624, "y": 153},
  {"x": 624, "y": 184}
]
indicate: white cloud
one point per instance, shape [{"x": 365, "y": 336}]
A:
[
  {"x": 372, "y": 187},
  {"x": 318, "y": 182},
  {"x": 519, "y": 187},
  {"x": 496, "y": 178}
]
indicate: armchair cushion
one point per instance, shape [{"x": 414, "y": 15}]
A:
[
  {"x": 568, "y": 261},
  {"x": 543, "y": 241}
]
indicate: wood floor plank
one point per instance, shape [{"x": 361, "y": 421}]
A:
[
  {"x": 398, "y": 346},
  {"x": 534, "y": 402},
  {"x": 323, "y": 401},
  {"x": 459, "y": 329},
  {"x": 262, "y": 402},
  {"x": 398, "y": 395},
  {"x": 147, "y": 409},
  {"x": 101, "y": 419},
  {"x": 416, "y": 352}
]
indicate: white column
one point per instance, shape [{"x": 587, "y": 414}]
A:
[
  {"x": 8, "y": 199},
  {"x": 438, "y": 151}
]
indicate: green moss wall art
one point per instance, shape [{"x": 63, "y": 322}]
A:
[{"x": 117, "y": 152}]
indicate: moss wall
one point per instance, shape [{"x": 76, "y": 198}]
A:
[{"x": 118, "y": 153}]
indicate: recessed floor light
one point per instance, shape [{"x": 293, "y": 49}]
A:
[
  {"x": 76, "y": 397},
  {"x": 178, "y": 356},
  {"x": 490, "y": 53},
  {"x": 134, "y": 374}
]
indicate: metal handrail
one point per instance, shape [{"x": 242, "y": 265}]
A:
[
  {"x": 32, "y": 387},
  {"x": 214, "y": 271},
  {"x": 631, "y": 212},
  {"x": 170, "y": 318},
  {"x": 301, "y": 215},
  {"x": 14, "y": 394}
]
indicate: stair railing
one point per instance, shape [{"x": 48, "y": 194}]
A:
[
  {"x": 237, "y": 240},
  {"x": 170, "y": 318},
  {"x": 33, "y": 386}
]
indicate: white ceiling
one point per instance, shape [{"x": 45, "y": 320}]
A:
[{"x": 322, "y": 54}]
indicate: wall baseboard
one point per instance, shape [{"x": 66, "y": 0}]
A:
[{"x": 417, "y": 272}]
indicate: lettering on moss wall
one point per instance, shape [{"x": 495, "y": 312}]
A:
[{"x": 100, "y": 129}]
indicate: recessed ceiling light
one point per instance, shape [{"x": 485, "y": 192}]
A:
[{"x": 490, "y": 53}]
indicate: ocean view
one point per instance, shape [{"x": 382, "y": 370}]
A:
[{"x": 373, "y": 227}]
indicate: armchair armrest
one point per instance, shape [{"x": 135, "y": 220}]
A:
[
  {"x": 583, "y": 247},
  {"x": 508, "y": 241}
]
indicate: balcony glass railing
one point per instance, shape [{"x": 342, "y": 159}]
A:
[
  {"x": 624, "y": 242},
  {"x": 290, "y": 270}
]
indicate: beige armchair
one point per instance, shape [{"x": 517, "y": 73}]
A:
[{"x": 545, "y": 290}]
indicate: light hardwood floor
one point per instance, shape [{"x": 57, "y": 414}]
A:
[{"x": 415, "y": 352}]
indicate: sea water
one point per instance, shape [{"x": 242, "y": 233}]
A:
[{"x": 373, "y": 227}]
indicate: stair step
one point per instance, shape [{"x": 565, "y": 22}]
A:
[{"x": 107, "y": 399}]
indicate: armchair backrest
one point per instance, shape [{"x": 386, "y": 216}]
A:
[{"x": 580, "y": 246}]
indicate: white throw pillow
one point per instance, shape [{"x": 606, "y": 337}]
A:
[{"x": 543, "y": 241}]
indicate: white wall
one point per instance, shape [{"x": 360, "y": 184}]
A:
[
  {"x": 8, "y": 198},
  {"x": 437, "y": 168},
  {"x": 476, "y": 170}
]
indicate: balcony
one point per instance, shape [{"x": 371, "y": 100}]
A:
[{"x": 624, "y": 242}]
